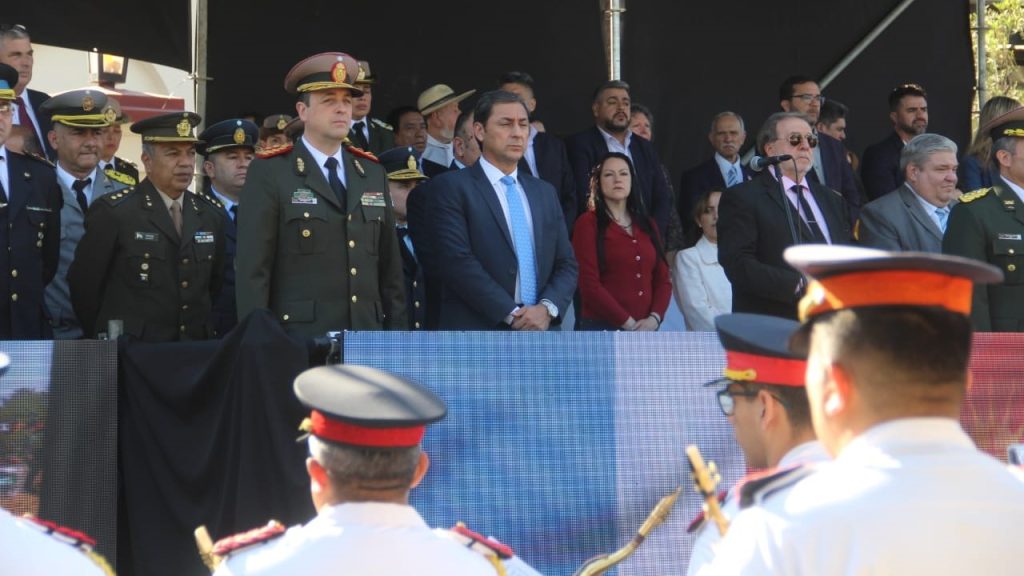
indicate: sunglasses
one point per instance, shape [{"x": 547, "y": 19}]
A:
[{"x": 796, "y": 139}]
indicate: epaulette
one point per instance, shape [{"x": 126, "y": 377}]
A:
[
  {"x": 699, "y": 520},
  {"x": 43, "y": 159},
  {"x": 119, "y": 177},
  {"x": 382, "y": 124},
  {"x": 356, "y": 151},
  {"x": 209, "y": 198},
  {"x": 234, "y": 544},
  {"x": 972, "y": 196},
  {"x": 757, "y": 486},
  {"x": 275, "y": 151},
  {"x": 488, "y": 547},
  {"x": 115, "y": 198},
  {"x": 73, "y": 538}
]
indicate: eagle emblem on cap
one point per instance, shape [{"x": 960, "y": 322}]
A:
[
  {"x": 88, "y": 103},
  {"x": 281, "y": 123},
  {"x": 184, "y": 127},
  {"x": 411, "y": 164},
  {"x": 239, "y": 136},
  {"x": 339, "y": 72},
  {"x": 109, "y": 115}
]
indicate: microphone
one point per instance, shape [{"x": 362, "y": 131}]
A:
[{"x": 758, "y": 163}]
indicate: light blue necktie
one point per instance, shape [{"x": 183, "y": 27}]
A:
[
  {"x": 943, "y": 214},
  {"x": 523, "y": 240},
  {"x": 734, "y": 178}
]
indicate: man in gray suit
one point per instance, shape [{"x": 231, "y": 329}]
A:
[
  {"x": 78, "y": 123},
  {"x": 913, "y": 217}
]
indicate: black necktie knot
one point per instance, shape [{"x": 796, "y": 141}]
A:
[{"x": 79, "y": 187}]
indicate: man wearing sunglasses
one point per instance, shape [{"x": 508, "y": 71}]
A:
[
  {"x": 16, "y": 51},
  {"x": 756, "y": 221},
  {"x": 764, "y": 397}
]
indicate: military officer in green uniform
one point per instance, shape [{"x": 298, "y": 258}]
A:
[
  {"x": 316, "y": 233},
  {"x": 151, "y": 260},
  {"x": 368, "y": 133},
  {"x": 988, "y": 225}
]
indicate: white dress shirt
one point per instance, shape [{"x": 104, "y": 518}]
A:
[
  {"x": 1017, "y": 189},
  {"x": 5, "y": 169},
  {"x": 614, "y": 145},
  {"x": 31, "y": 115},
  {"x": 724, "y": 166},
  {"x": 701, "y": 287},
  {"x": 320, "y": 158}
]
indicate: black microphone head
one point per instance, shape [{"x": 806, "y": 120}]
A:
[{"x": 757, "y": 163}]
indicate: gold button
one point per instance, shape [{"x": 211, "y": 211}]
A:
[
  {"x": 14, "y": 273},
  {"x": 306, "y": 233},
  {"x": 349, "y": 217},
  {"x": 354, "y": 298},
  {"x": 1010, "y": 251},
  {"x": 146, "y": 255},
  {"x": 351, "y": 243},
  {"x": 417, "y": 303},
  {"x": 417, "y": 325},
  {"x": 352, "y": 271},
  {"x": 285, "y": 317},
  {"x": 414, "y": 284},
  {"x": 184, "y": 283},
  {"x": 305, "y": 214},
  {"x": 184, "y": 260},
  {"x": 1011, "y": 268},
  {"x": 39, "y": 244},
  {"x": 14, "y": 297},
  {"x": 145, "y": 266},
  {"x": 184, "y": 306},
  {"x": 182, "y": 327}
]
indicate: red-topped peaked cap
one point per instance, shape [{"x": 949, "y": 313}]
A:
[{"x": 757, "y": 351}]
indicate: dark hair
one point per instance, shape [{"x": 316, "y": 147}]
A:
[
  {"x": 831, "y": 111},
  {"x": 485, "y": 105},
  {"x": 793, "y": 399},
  {"x": 694, "y": 234},
  {"x": 640, "y": 108},
  {"x": 787, "y": 86},
  {"x": 395, "y": 116},
  {"x": 634, "y": 205},
  {"x": 608, "y": 85},
  {"x": 516, "y": 77},
  {"x": 464, "y": 116},
  {"x": 902, "y": 90}
]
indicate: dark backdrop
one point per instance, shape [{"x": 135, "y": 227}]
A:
[{"x": 686, "y": 60}]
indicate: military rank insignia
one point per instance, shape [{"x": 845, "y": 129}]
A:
[{"x": 372, "y": 199}]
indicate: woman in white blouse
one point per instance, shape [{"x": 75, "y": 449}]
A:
[{"x": 701, "y": 288}]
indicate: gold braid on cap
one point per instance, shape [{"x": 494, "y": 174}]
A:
[
  {"x": 740, "y": 375},
  {"x": 325, "y": 85},
  {"x": 82, "y": 120},
  {"x": 7, "y": 94}
]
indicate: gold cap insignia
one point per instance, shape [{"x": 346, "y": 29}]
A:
[
  {"x": 411, "y": 164},
  {"x": 184, "y": 127},
  {"x": 362, "y": 74},
  {"x": 109, "y": 115},
  {"x": 87, "y": 103},
  {"x": 339, "y": 72},
  {"x": 239, "y": 136},
  {"x": 281, "y": 123}
]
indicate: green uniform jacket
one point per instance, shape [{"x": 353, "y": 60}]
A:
[
  {"x": 988, "y": 225},
  {"x": 318, "y": 269},
  {"x": 130, "y": 265},
  {"x": 381, "y": 139}
]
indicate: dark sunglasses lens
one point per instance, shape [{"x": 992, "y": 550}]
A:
[{"x": 812, "y": 141}]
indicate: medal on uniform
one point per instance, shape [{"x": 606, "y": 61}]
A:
[
  {"x": 372, "y": 199},
  {"x": 303, "y": 196}
]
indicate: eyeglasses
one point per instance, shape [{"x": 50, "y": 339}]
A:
[
  {"x": 796, "y": 139},
  {"x": 727, "y": 399},
  {"x": 808, "y": 98}
]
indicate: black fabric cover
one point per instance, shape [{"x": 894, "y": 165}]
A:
[{"x": 207, "y": 436}]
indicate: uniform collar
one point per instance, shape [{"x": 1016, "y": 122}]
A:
[
  {"x": 371, "y": 514},
  {"x": 805, "y": 453},
  {"x": 905, "y": 435}
]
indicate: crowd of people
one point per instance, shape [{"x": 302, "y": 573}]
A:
[{"x": 457, "y": 230}]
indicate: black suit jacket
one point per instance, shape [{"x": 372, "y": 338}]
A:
[
  {"x": 420, "y": 221},
  {"x": 474, "y": 252},
  {"x": 225, "y": 313},
  {"x": 698, "y": 180},
  {"x": 553, "y": 167},
  {"x": 432, "y": 169},
  {"x": 586, "y": 148},
  {"x": 839, "y": 174},
  {"x": 753, "y": 231},
  {"x": 36, "y": 99},
  {"x": 880, "y": 166}
]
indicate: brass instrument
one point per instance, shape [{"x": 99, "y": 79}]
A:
[
  {"x": 601, "y": 563},
  {"x": 205, "y": 545},
  {"x": 705, "y": 480}
]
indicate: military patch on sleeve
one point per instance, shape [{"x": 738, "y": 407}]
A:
[
  {"x": 119, "y": 177},
  {"x": 238, "y": 542},
  {"x": 972, "y": 196}
]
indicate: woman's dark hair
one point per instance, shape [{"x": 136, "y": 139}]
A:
[
  {"x": 694, "y": 235},
  {"x": 634, "y": 206}
]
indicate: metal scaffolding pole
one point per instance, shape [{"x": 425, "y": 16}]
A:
[
  {"x": 864, "y": 43},
  {"x": 613, "y": 10}
]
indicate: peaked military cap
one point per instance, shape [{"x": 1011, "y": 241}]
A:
[
  {"x": 1008, "y": 124},
  {"x": 365, "y": 76},
  {"x": 8, "y": 80},
  {"x": 325, "y": 71},
  {"x": 276, "y": 122},
  {"x": 115, "y": 115},
  {"x": 402, "y": 163},
  {"x": 756, "y": 350},
  {"x": 174, "y": 127},
  {"x": 82, "y": 108},
  {"x": 234, "y": 133},
  {"x": 363, "y": 406}
]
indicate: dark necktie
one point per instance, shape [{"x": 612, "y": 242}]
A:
[
  {"x": 335, "y": 182},
  {"x": 234, "y": 213},
  {"x": 358, "y": 137},
  {"x": 79, "y": 187},
  {"x": 3, "y": 193},
  {"x": 23, "y": 118},
  {"x": 805, "y": 208}
]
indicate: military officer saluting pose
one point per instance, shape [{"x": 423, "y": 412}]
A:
[
  {"x": 316, "y": 227},
  {"x": 80, "y": 121},
  {"x": 365, "y": 432},
  {"x": 988, "y": 225},
  {"x": 151, "y": 259},
  {"x": 30, "y": 204}
]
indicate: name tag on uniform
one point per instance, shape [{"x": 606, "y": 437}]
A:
[
  {"x": 372, "y": 199},
  {"x": 1010, "y": 237},
  {"x": 147, "y": 236},
  {"x": 204, "y": 238},
  {"x": 303, "y": 196}
]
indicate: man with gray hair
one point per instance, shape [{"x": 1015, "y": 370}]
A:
[
  {"x": 16, "y": 51},
  {"x": 724, "y": 169},
  {"x": 913, "y": 217}
]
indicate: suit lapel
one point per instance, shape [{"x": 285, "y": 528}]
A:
[
  {"x": 486, "y": 191},
  {"x": 159, "y": 216},
  {"x": 305, "y": 166},
  {"x": 917, "y": 212}
]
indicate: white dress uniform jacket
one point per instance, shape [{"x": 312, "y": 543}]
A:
[
  {"x": 910, "y": 496},
  {"x": 26, "y": 550},
  {"x": 368, "y": 539},
  {"x": 708, "y": 536}
]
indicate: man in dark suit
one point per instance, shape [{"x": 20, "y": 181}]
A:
[
  {"x": 831, "y": 168},
  {"x": 611, "y": 133},
  {"x": 30, "y": 204},
  {"x": 316, "y": 229},
  {"x": 152, "y": 257},
  {"x": 724, "y": 169},
  {"x": 756, "y": 222},
  {"x": 913, "y": 217},
  {"x": 16, "y": 51},
  {"x": 880, "y": 167},
  {"x": 545, "y": 156},
  {"x": 368, "y": 133},
  {"x": 229, "y": 147},
  {"x": 501, "y": 249}
]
